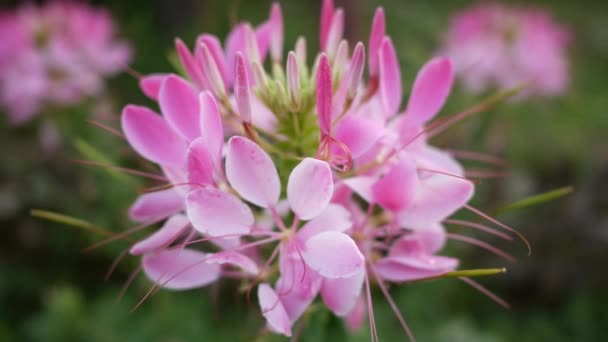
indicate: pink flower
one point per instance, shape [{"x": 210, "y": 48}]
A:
[
  {"x": 56, "y": 55},
  {"x": 493, "y": 45}
]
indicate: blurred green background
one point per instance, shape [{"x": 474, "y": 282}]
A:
[{"x": 52, "y": 291}]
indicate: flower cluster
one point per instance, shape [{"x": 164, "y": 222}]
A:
[
  {"x": 495, "y": 45},
  {"x": 308, "y": 181},
  {"x": 55, "y": 55}
]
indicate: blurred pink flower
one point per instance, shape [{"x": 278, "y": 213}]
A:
[
  {"x": 55, "y": 55},
  {"x": 494, "y": 45}
]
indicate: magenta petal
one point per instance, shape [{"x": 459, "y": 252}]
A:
[
  {"x": 192, "y": 69},
  {"x": 273, "y": 310},
  {"x": 399, "y": 269},
  {"x": 324, "y": 95},
  {"x": 355, "y": 72},
  {"x": 235, "y": 259},
  {"x": 242, "y": 93},
  {"x": 252, "y": 173},
  {"x": 431, "y": 89},
  {"x": 436, "y": 198},
  {"x": 178, "y": 102},
  {"x": 217, "y": 213},
  {"x": 390, "y": 77},
  {"x": 234, "y": 42},
  {"x": 150, "y": 84},
  {"x": 358, "y": 133},
  {"x": 180, "y": 269},
  {"x": 333, "y": 255},
  {"x": 211, "y": 126},
  {"x": 340, "y": 295},
  {"x": 310, "y": 188},
  {"x": 170, "y": 231},
  {"x": 215, "y": 47},
  {"x": 156, "y": 205},
  {"x": 334, "y": 218},
  {"x": 327, "y": 13},
  {"x": 396, "y": 189},
  {"x": 150, "y": 135},
  {"x": 375, "y": 40},
  {"x": 200, "y": 164}
]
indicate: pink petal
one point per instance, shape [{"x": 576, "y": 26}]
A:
[
  {"x": 324, "y": 94},
  {"x": 293, "y": 79},
  {"x": 340, "y": 295},
  {"x": 362, "y": 186},
  {"x": 211, "y": 126},
  {"x": 356, "y": 70},
  {"x": 170, "y": 231},
  {"x": 215, "y": 47},
  {"x": 242, "y": 93},
  {"x": 217, "y": 213},
  {"x": 192, "y": 69},
  {"x": 150, "y": 84},
  {"x": 211, "y": 71},
  {"x": 273, "y": 310},
  {"x": 390, "y": 77},
  {"x": 156, "y": 205},
  {"x": 262, "y": 116},
  {"x": 263, "y": 37},
  {"x": 178, "y": 102},
  {"x": 234, "y": 42},
  {"x": 436, "y": 198},
  {"x": 276, "y": 33},
  {"x": 336, "y": 31},
  {"x": 200, "y": 164},
  {"x": 150, "y": 135},
  {"x": 375, "y": 40},
  {"x": 333, "y": 255},
  {"x": 235, "y": 259},
  {"x": 252, "y": 173},
  {"x": 431, "y": 89},
  {"x": 358, "y": 133},
  {"x": 310, "y": 188},
  {"x": 180, "y": 269},
  {"x": 400, "y": 269},
  {"x": 334, "y": 218},
  {"x": 396, "y": 189},
  {"x": 355, "y": 319},
  {"x": 327, "y": 13}
]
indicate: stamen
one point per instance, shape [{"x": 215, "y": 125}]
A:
[
  {"x": 476, "y": 156},
  {"x": 481, "y": 244},
  {"x": 106, "y": 128},
  {"x": 479, "y": 226},
  {"x": 370, "y": 310},
  {"x": 486, "y": 292},
  {"x": 114, "y": 264},
  {"x": 120, "y": 235},
  {"x": 119, "y": 168}
]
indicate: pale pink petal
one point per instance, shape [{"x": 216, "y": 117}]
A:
[
  {"x": 402, "y": 268},
  {"x": 192, "y": 69},
  {"x": 156, "y": 205},
  {"x": 200, "y": 164},
  {"x": 273, "y": 310},
  {"x": 151, "y": 136},
  {"x": 396, "y": 189},
  {"x": 150, "y": 84},
  {"x": 262, "y": 116},
  {"x": 293, "y": 79},
  {"x": 216, "y": 213},
  {"x": 375, "y": 40},
  {"x": 324, "y": 95},
  {"x": 263, "y": 38},
  {"x": 358, "y": 133},
  {"x": 211, "y": 126},
  {"x": 335, "y": 34},
  {"x": 355, "y": 73},
  {"x": 215, "y": 47},
  {"x": 431, "y": 239},
  {"x": 235, "y": 259},
  {"x": 340, "y": 295},
  {"x": 334, "y": 218},
  {"x": 333, "y": 255},
  {"x": 234, "y": 42},
  {"x": 436, "y": 198},
  {"x": 362, "y": 186},
  {"x": 252, "y": 173},
  {"x": 242, "y": 93},
  {"x": 211, "y": 71},
  {"x": 178, "y": 102},
  {"x": 355, "y": 319},
  {"x": 309, "y": 188},
  {"x": 170, "y": 231},
  {"x": 390, "y": 77},
  {"x": 180, "y": 269},
  {"x": 276, "y": 33},
  {"x": 431, "y": 89}
]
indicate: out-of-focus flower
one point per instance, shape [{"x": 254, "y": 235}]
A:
[
  {"x": 55, "y": 55},
  {"x": 494, "y": 45},
  {"x": 312, "y": 181}
]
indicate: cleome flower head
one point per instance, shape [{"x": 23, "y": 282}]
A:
[
  {"x": 308, "y": 179},
  {"x": 56, "y": 54},
  {"x": 494, "y": 45}
]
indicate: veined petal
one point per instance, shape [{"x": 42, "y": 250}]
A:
[
  {"x": 327, "y": 13},
  {"x": 178, "y": 102},
  {"x": 334, "y": 218},
  {"x": 200, "y": 164},
  {"x": 150, "y": 84},
  {"x": 431, "y": 89},
  {"x": 252, "y": 173},
  {"x": 402, "y": 268},
  {"x": 215, "y": 47},
  {"x": 375, "y": 40},
  {"x": 362, "y": 186},
  {"x": 192, "y": 69},
  {"x": 170, "y": 231},
  {"x": 273, "y": 310},
  {"x": 150, "y": 135},
  {"x": 242, "y": 93},
  {"x": 310, "y": 188},
  {"x": 216, "y": 213},
  {"x": 340, "y": 295},
  {"x": 333, "y": 255},
  {"x": 276, "y": 32},
  {"x": 211, "y": 126},
  {"x": 324, "y": 95},
  {"x": 180, "y": 269},
  {"x": 235, "y": 259},
  {"x": 156, "y": 205},
  {"x": 390, "y": 77},
  {"x": 358, "y": 133},
  {"x": 397, "y": 188}
]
